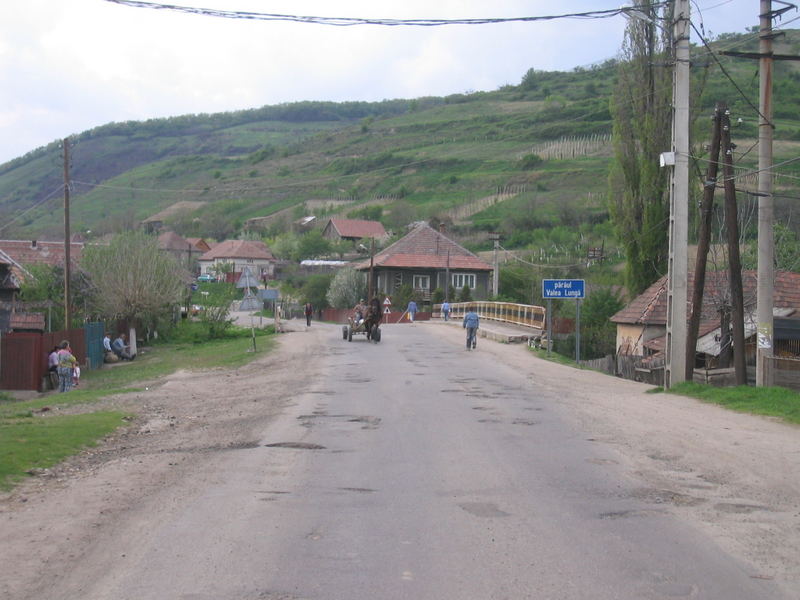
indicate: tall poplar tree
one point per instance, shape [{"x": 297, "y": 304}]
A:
[{"x": 642, "y": 116}]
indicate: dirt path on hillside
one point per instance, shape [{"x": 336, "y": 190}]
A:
[{"x": 735, "y": 476}]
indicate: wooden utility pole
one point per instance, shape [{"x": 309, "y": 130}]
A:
[
  {"x": 371, "y": 282},
  {"x": 734, "y": 262},
  {"x": 675, "y": 370},
  {"x": 703, "y": 240},
  {"x": 67, "y": 246}
]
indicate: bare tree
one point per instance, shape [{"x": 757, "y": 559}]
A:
[{"x": 133, "y": 280}]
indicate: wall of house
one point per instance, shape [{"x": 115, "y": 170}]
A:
[
  {"x": 629, "y": 336},
  {"x": 388, "y": 280}
]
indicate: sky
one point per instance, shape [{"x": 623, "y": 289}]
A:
[{"x": 69, "y": 65}]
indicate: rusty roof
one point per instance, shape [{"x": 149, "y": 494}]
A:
[
  {"x": 650, "y": 307},
  {"x": 424, "y": 247},
  {"x": 33, "y": 252},
  {"x": 21, "y": 320},
  {"x": 357, "y": 228},
  {"x": 236, "y": 249}
]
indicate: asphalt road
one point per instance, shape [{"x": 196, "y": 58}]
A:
[{"x": 413, "y": 469}]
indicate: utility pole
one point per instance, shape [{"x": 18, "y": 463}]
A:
[
  {"x": 67, "y": 247},
  {"x": 675, "y": 370},
  {"x": 703, "y": 240},
  {"x": 766, "y": 237},
  {"x": 495, "y": 237},
  {"x": 734, "y": 262}
]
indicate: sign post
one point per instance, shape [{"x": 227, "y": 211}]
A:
[{"x": 564, "y": 289}]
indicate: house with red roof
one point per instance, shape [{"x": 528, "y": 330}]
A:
[
  {"x": 425, "y": 259},
  {"x": 34, "y": 252},
  {"x": 642, "y": 324},
  {"x": 239, "y": 254},
  {"x": 353, "y": 230}
]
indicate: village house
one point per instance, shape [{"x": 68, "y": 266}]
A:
[
  {"x": 642, "y": 324},
  {"x": 353, "y": 230},
  {"x": 235, "y": 255},
  {"x": 182, "y": 250},
  {"x": 426, "y": 259}
]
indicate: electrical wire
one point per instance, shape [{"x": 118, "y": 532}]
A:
[
  {"x": 350, "y": 21},
  {"x": 29, "y": 209}
]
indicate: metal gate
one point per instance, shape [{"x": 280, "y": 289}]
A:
[{"x": 93, "y": 335}]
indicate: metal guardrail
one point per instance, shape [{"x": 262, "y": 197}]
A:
[{"x": 526, "y": 315}]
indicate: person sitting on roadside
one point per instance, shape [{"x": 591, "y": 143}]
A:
[{"x": 121, "y": 349}]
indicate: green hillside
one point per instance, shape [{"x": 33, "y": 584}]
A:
[{"x": 520, "y": 159}]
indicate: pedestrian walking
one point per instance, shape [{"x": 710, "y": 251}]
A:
[
  {"x": 471, "y": 324},
  {"x": 446, "y": 310},
  {"x": 308, "y": 311},
  {"x": 411, "y": 310},
  {"x": 66, "y": 363}
]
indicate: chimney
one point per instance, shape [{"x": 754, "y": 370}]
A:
[
  {"x": 441, "y": 227},
  {"x": 33, "y": 243}
]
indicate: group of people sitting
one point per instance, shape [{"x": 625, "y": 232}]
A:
[{"x": 117, "y": 350}]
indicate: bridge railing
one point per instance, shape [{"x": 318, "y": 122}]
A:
[{"x": 527, "y": 315}]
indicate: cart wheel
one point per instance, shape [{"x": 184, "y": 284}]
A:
[
  {"x": 344, "y": 332},
  {"x": 376, "y": 334},
  {"x": 349, "y": 334}
]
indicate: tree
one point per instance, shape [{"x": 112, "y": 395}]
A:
[
  {"x": 641, "y": 110},
  {"x": 133, "y": 280},
  {"x": 465, "y": 295},
  {"x": 313, "y": 245},
  {"x": 316, "y": 289},
  {"x": 347, "y": 288}
]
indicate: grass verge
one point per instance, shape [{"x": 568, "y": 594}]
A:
[
  {"x": 768, "y": 401},
  {"x": 39, "y": 443},
  {"x": 31, "y": 438}
]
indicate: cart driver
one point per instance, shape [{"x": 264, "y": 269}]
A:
[{"x": 358, "y": 312}]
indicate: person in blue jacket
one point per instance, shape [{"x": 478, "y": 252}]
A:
[
  {"x": 412, "y": 310},
  {"x": 471, "y": 324}
]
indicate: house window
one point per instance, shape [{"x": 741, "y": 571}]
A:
[
  {"x": 422, "y": 282},
  {"x": 461, "y": 279}
]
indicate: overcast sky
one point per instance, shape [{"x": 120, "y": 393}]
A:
[{"x": 70, "y": 65}]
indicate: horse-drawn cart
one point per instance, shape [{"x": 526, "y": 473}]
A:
[{"x": 369, "y": 327}]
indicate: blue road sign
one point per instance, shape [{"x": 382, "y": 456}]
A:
[{"x": 564, "y": 289}]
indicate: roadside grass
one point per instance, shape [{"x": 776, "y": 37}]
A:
[
  {"x": 768, "y": 401},
  {"x": 39, "y": 443},
  {"x": 33, "y": 437},
  {"x": 776, "y": 402}
]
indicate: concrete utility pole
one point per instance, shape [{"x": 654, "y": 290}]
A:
[
  {"x": 766, "y": 236},
  {"x": 495, "y": 237},
  {"x": 67, "y": 247},
  {"x": 675, "y": 371}
]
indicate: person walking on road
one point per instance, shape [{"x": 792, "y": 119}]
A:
[
  {"x": 411, "y": 310},
  {"x": 471, "y": 324},
  {"x": 307, "y": 311},
  {"x": 446, "y": 310}
]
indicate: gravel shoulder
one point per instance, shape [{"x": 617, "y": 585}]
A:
[{"x": 735, "y": 476}]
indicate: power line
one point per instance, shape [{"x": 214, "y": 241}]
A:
[
  {"x": 36, "y": 205},
  {"x": 351, "y": 21}
]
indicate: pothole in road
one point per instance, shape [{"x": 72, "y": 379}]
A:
[
  {"x": 357, "y": 489},
  {"x": 369, "y": 422},
  {"x": 524, "y": 422},
  {"x": 295, "y": 446},
  {"x": 729, "y": 507},
  {"x": 601, "y": 461},
  {"x": 627, "y": 514},
  {"x": 484, "y": 509},
  {"x": 656, "y": 496}
]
